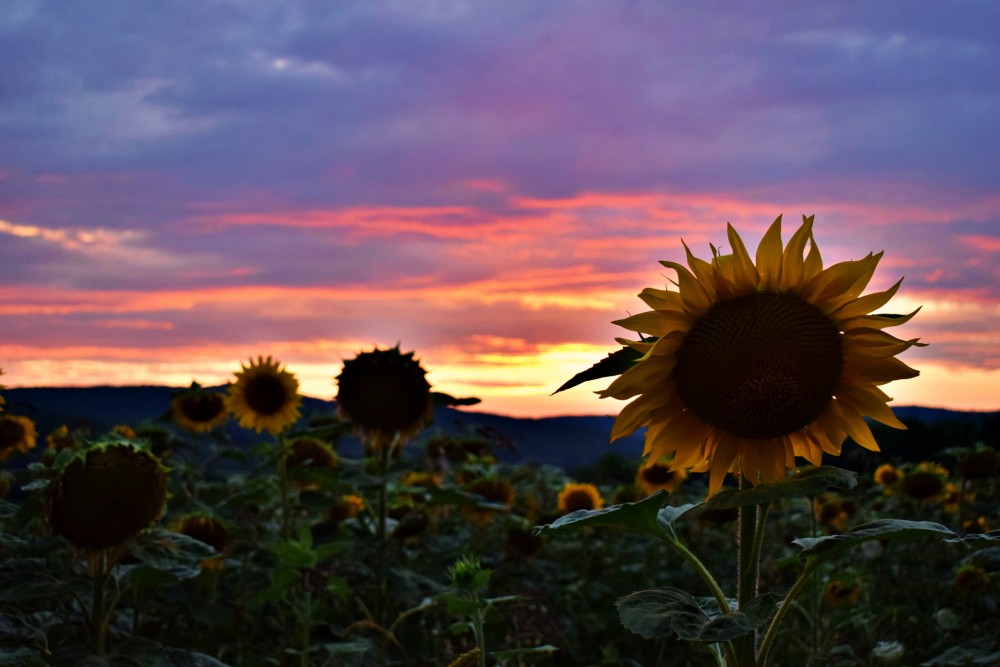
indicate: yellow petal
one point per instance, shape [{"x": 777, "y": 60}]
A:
[
  {"x": 702, "y": 270},
  {"x": 792, "y": 259},
  {"x": 879, "y": 371},
  {"x": 636, "y": 414},
  {"x": 661, "y": 299},
  {"x": 865, "y": 304},
  {"x": 723, "y": 456},
  {"x": 848, "y": 419},
  {"x": 745, "y": 274},
  {"x": 696, "y": 299},
  {"x": 654, "y": 371},
  {"x": 656, "y": 322},
  {"x": 877, "y": 321},
  {"x": 769, "y": 256},
  {"x": 868, "y": 401},
  {"x": 834, "y": 281},
  {"x": 813, "y": 264}
]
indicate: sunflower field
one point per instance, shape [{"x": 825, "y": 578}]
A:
[{"x": 366, "y": 535}]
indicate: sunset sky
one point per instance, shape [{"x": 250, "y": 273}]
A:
[{"x": 489, "y": 184}]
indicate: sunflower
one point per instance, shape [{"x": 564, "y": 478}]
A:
[
  {"x": 345, "y": 507},
  {"x": 17, "y": 434},
  {"x": 842, "y": 593},
  {"x": 925, "y": 481},
  {"x": 753, "y": 365},
  {"x": 107, "y": 494},
  {"x": 887, "y": 475},
  {"x": 384, "y": 394},
  {"x": 491, "y": 489},
  {"x": 209, "y": 530},
  {"x": 575, "y": 497},
  {"x": 658, "y": 475},
  {"x": 264, "y": 396},
  {"x": 197, "y": 410}
]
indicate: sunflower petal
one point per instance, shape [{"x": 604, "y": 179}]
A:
[
  {"x": 656, "y": 322},
  {"x": 745, "y": 276},
  {"x": 848, "y": 419},
  {"x": 792, "y": 268},
  {"x": 869, "y": 401},
  {"x": 702, "y": 270},
  {"x": 696, "y": 299},
  {"x": 877, "y": 321},
  {"x": 769, "y": 256},
  {"x": 726, "y": 449},
  {"x": 661, "y": 299},
  {"x": 835, "y": 281},
  {"x": 865, "y": 304},
  {"x": 813, "y": 264}
]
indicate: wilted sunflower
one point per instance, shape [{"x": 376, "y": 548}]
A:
[
  {"x": 17, "y": 434},
  {"x": 197, "y": 410},
  {"x": 264, "y": 396},
  {"x": 106, "y": 495},
  {"x": 384, "y": 393},
  {"x": 756, "y": 364},
  {"x": 575, "y": 497},
  {"x": 659, "y": 475}
]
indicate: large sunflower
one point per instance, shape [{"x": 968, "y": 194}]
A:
[
  {"x": 753, "y": 365},
  {"x": 264, "y": 396}
]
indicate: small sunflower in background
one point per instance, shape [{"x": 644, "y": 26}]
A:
[
  {"x": 210, "y": 530},
  {"x": 106, "y": 495},
  {"x": 345, "y": 507},
  {"x": 17, "y": 435},
  {"x": 197, "y": 410},
  {"x": 574, "y": 497},
  {"x": 843, "y": 592},
  {"x": 755, "y": 364},
  {"x": 264, "y": 396},
  {"x": 306, "y": 454},
  {"x": 659, "y": 475},
  {"x": 384, "y": 394},
  {"x": 491, "y": 489},
  {"x": 925, "y": 481},
  {"x": 886, "y": 475}
]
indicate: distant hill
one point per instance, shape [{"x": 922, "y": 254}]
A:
[{"x": 567, "y": 442}]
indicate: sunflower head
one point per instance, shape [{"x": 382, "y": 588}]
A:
[
  {"x": 971, "y": 580},
  {"x": 750, "y": 364},
  {"x": 17, "y": 434},
  {"x": 264, "y": 396},
  {"x": 311, "y": 453},
  {"x": 197, "y": 410},
  {"x": 979, "y": 463},
  {"x": 659, "y": 475},
  {"x": 887, "y": 475},
  {"x": 384, "y": 393},
  {"x": 842, "y": 593},
  {"x": 575, "y": 497},
  {"x": 925, "y": 481},
  {"x": 491, "y": 489},
  {"x": 107, "y": 494}
]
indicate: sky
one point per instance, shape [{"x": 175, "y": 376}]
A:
[{"x": 184, "y": 186}]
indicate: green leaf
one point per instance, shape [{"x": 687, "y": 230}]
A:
[
  {"x": 294, "y": 554},
  {"x": 28, "y": 579},
  {"x": 174, "y": 553},
  {"x": 880, "y": 529},
  {"x": 614, "y": 364},
  {"x": 640, "y": 517},
  {"x": 143, "y": 576},
  {"x": 978, "y": 540},
  {"x": 808, "y": 482},
  {"x": 669, "y": 514},
  {"x": 670, "y": 612},
  {"x": 976, "y": 652},
  {"x": 664, "y": 612},
  {"x": 7, "y": 510}
]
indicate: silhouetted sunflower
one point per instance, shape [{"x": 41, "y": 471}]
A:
[
  {"x": 925, "y": 481},
  {"x": 384, "y": 393},
  {"x": 17, "y": 434},
  {"x": 756, "y": 364},
  {"x": 264, "y": 396},
  {"x": 493, "y": 490},
  {"x": 979, "y": 463},
  {"x": 659, "y": 475},
  {"x": 107, "y": 494},
  {"x": 575, "y": 497},
  {"x": 197, "y": 410}
]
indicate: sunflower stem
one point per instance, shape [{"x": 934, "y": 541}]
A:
[
  {"x": 98, "y": 626},
  {"x": 751, "y": 522},
  {"x": 786, "y": 605},
  {"x": 286, "y": 519}
]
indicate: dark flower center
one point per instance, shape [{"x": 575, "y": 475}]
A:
[
  {"x": 578, "y": 500},
  {"x": 265, "y": 394},
  {"x": 761, "y": 366},
  {"x": 202, "y": 407}
]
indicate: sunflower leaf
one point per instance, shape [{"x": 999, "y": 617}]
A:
[
  {"x": 880, "y": 529},
  {"x": 669, "y": 514},
  {"x": 978, "y": 540},
  {"x": 669, "y": 612},
  {"x": 808, "y": 482},
  {"x": 614, "y": 364},
  {"x": 640, "y": 517}
]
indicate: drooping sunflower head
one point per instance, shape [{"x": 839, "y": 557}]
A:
[
  {"x": 748, "y": 365},
  {"x": 107, "y": 494},
  {"x": 575, "y": 497},
  {"x": 384, "y": 393},
  {"x": 197, "y": 410},
  {"x": 210, "y": 530},
  {"x": 264, "y": 396},
  {"x": 657, "y": 475},
  {"x": 17, "y": 434}
]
